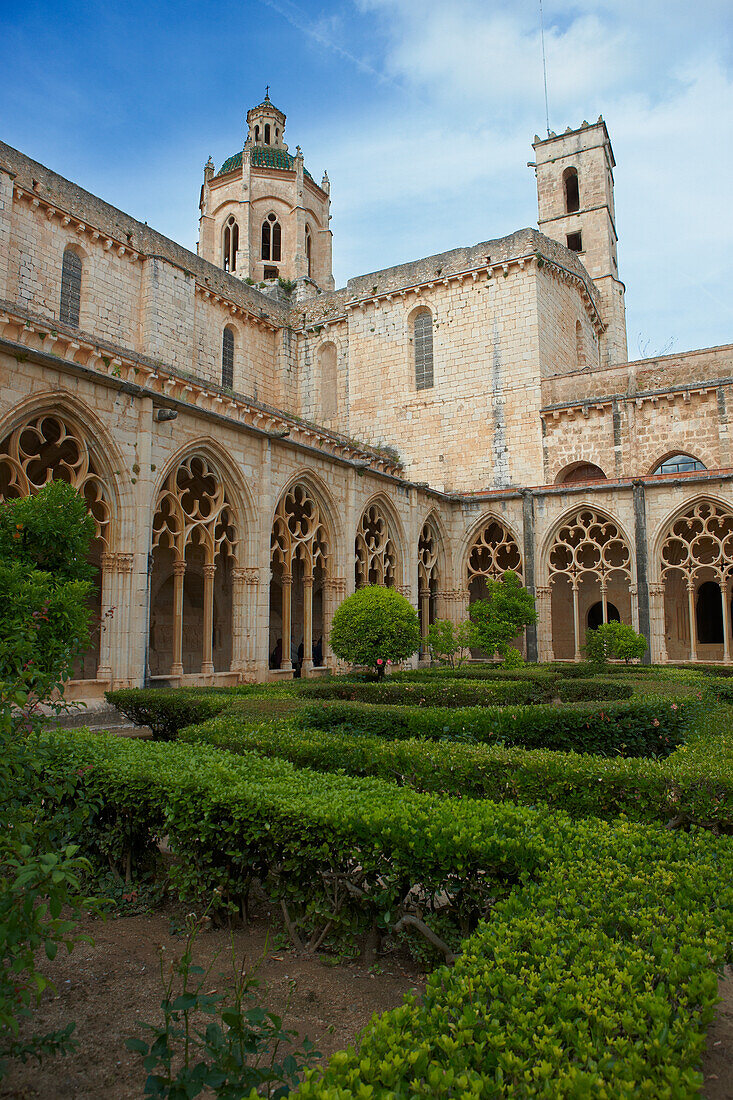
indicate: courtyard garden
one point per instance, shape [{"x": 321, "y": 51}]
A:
[{"x": 525, "y": 873}]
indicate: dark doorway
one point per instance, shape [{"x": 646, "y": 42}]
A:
[
  {"x": 709, "y": 614},
  {"x": 595, "y": 615}
]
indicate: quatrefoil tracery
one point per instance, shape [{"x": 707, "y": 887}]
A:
[
  {"x": 494, "y": 550},
  {"x": 427, "y": 557},
  {"x": 591, "y": 545},
  {"x": 47, "y": 448},
  {"x": 700, "y": 544},
  {"x": 192, "y": 509},
  {"x": 374, "y": 552},
  {"x": 299, "y": 532}
]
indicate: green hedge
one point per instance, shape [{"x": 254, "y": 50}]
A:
[
  {"x": 446, "y": 693},
  {"x": 616, "y": 729},
  {"x": 167, "y": 711},
  {"x": 585, "y": 691},
  {"x": 699, "y": 793},
  {"x": 595, "y": 976}
]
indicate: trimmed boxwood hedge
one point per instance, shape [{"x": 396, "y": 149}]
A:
[
  {"x": 596, "y": 976},
  {"x": 449, "y": 692},
  {"x": 644, "y": 728},
  {"x": 697, "y": 791},
  {"x": 167, "y": 711}
]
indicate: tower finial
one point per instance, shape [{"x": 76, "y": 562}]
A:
[{"x": 267, "y": 92}]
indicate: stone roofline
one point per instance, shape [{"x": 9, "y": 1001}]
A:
[
  {"x": 238, "y": 169},
  {"x": 43, "y": 187},
  {"x": 168, "y": 386},
  {"x": 584, "y": 126}
]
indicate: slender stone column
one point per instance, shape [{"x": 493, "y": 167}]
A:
[
  {"x": 576, "y": 619},
  {"x": 604, "y": 599},
  {"x": 107, "y": 609},
  {"x": 287, "y": 589},
  {"x": 334, "y": 593},
  {"x": 656, "y": 624},
  {"x": 307, "y": 665},
  {"x": 424, "y": 598},
  {"x": 179, "y": 571},
  {"x": 691, "y": 613},
  {"x": 724, "y": 596},
  {"x": 528, "y": 545},
  {"x": 207, "y": 663},
  {"x": 642, "y": 566},
  {"x": 250, "y": 656},
  {"x": 543, "y": 596}
]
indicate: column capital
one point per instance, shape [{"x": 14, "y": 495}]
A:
[
  {"x": 543, "y": 592},
  {"x": 657, "y": 588},
  {"x": 116, "y": 562},
  {"x": 308, "y": 581},
  {"x": 405, "y": 590},
  {"x": 286, "y": 578},
  {"x": 209, "y": 571},
  {"x": 179, "y": 568}
]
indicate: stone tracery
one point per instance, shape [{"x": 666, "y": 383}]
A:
[
  {"x": 299, "y": 550},
  {"x": 428, "y": 576},
  {"x": 375, "y": 552},
  {"x": 195, "y": 535},
  {"x": 493, "y": 551},
  {"x": 589, "y": 549},
  {"x": 47, "y": 447},
  {"x": 698, "y": 548}
]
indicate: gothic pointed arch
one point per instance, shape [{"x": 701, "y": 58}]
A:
[
  {"x": 430, "y": 574},
  {"x": 196, "y": 536},
  {"x": 377, "y": 546},
  {"x": 301, "y": 565},
  {"x": 44, "y": 444},
  {"x": 588, "y": 560},
  {"x": 695, "y": 562},
  {"x": 492, "y": 549}
]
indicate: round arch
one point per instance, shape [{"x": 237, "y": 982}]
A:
[
  {"x": 695, "y": 463},
  {"x": 580, "y": 471}
]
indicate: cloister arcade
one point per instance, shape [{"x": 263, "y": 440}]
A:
[{"x": 221, "y": 590}]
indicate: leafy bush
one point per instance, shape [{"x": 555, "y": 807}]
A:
[
  {"x": 449, "y": 642},
  {"x": 446, "y": 693},
  {"x": 596, "y": 974},
  {"x": 614, "y": 640},
  {"x": 648, "y": 728},
  {"x": 166, "y": 712},
  {"x": 695, "y": 789},
  {"x": 373, "y": 626},
  {"x": 498, "y": 619},
  {"x": 577, "y": 691}
]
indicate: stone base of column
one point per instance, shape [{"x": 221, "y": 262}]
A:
[
  {"x": 176, "y": 670},
  {"x": 207, "y": 668}
]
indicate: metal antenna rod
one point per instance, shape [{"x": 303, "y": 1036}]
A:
[{"x": 544, "y": 68}]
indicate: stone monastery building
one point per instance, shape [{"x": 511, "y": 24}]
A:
[{"x": 254, "y": 443}]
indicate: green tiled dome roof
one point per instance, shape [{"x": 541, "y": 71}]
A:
[{"x": 260, "y": 157}]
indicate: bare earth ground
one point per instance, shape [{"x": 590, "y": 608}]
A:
[
  {"x": 111, "y": 986},
  {"x": 107, "y": 988}
]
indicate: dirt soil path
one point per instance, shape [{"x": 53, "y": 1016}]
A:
[{"x": 107, "y": 988}]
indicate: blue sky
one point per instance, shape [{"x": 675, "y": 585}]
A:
[{"x": 423, "y": 112}]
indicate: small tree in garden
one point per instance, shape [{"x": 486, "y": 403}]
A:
[
  {"x": 614, "y": 640},
  {"x": 44, "y": 622},
  {"x": 449, "y": 642},
  {"x": 374, "y": 626},
  {"x": 498, "y": 619}
]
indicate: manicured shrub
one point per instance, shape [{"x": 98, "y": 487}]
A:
[
  {"x": 446, "y": 693},
  {"x": 577, "y": 691},
  {"x": 695, "y": 789},
  {"x": 373, "y": 626},
  {"x": 648, "y": 728},
  {"x": 614, "y": 640},
  {"x": 167, "y": 712},
  {"x": 594, "y": 976}
]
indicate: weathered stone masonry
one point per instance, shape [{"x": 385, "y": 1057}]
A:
[{"x": 233, "y": 517}]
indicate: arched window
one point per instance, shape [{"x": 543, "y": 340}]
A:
[
  {"x": 267, "y": 133},
  {"x": 580, "y": 471},
  {"x": 679, "y": 464},
  {"x": 595, "y": 614},
  {"x": 70, "y": 288},
  {"x": 709, "y": 614},
  {"x": 271, "y": 237},
  {"x": 422, "y": 333},
  {"x": 572, "y": 191},
  {"x": 257, "y": 133},
  {"x": 231, "y": 244},
  {"x": 308, "y": 249},
  {"x": 227, "y": 358}
]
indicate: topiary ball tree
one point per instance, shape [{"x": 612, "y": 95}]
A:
[{"x": 374, "y": 626}]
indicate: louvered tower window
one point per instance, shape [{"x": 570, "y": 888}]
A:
[
  {"x": 70, "y": 288},
  {"x": 423, "y": 340},
  {"x": 227, "y": 359},
  {"x": 271, "y": 235}
]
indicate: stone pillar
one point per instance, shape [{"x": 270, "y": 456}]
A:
[
  {"x": 240, "y": 633},
  {"x": 576, "y": 618},
  {"x": 634, "y": 593},
  {"x": 334, "y": 593},
  {"x": 543, "y": 598},
  {"x": 179, "y": 572},
  {"x": 657, "y": 625},
  {"x": 207, "y": 663},
  {"x": 691, "y": 613},
  {"x": 287, "y": 589},
  {"x": 424, "y": 597},
  {"x": 642, "y": 567},
  {"x": 528, "y": 540},
  {"x": 107, "y": 609},
  {"x": 725, "y": 595},
  {"x": 307, "y": 665}
]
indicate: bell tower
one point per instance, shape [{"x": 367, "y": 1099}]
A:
[{"x": 575, "y": 198}]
